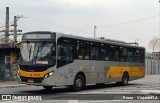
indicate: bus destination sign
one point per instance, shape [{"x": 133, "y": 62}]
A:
[{"x": 37, "y": 36}]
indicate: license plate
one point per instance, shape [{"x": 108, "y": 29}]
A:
[{"x": 30, "y": 81}]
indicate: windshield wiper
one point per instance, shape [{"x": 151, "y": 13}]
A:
[
  {"x": 40, "y": 47},
  {"x": 29, "y": 47},
  {"x": 30, "y": 52}
]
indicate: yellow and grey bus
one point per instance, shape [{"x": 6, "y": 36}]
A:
[{"x": 52, "y": 59}]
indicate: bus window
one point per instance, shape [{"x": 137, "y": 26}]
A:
[
  {"x": 130, "y": 55},
  {"x": 123, "y": 56},
  {"x": 82, "y": 50},
  {"x": 138, "y": 55},
  {"x": 104, "y": 53},
  {"x": 65, "y": 53},
  {"x": 113, "y": 53},
  {"x": 95, "y": 51},
  {"x": 116, "y": 55},
  {"x": 142, "y": 55}
]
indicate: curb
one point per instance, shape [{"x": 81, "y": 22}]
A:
[{"x": 13, "y": 86}]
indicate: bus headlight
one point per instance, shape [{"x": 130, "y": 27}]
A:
[
  {"x": 48, "y": 74},
  {"x": 18, "y": 73}
]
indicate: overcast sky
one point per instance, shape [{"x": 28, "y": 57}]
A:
[{"x": 78, "y": 17}]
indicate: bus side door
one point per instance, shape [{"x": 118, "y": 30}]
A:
[{"x": 65, "y": 61}]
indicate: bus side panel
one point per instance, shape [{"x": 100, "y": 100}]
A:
[
  {"x": 100, "y": 70},
  {"x": 116, "y": 70},
  {"x": 85, "y": 67},
  {"x": 65, "y": 75}
]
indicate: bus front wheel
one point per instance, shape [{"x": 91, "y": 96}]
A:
[{"x": 79, "y": 83}]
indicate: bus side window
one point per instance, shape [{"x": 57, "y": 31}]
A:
[
  {"x": 123, "y": 54},
  {"x": 104, "y": 52},
  {"x": 130, "y": 55},
  {"x": 95, "y": 51},
  {"x": 116, "y": 53},
  {"x": 138, "y": 55},
  {"x": 111, "y": 53},
  {"x": 142, "y": 56},
  {"x": 65, "y": 53},
  {"x": 82, "y": 50}
]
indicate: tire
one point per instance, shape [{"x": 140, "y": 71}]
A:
[
  {"x": 79, "y": 83},
  {"x": 47, "y": 87},
  {"x": 125, "y": 79}
]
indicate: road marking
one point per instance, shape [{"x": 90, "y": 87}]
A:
[
  {"x": 151, "y": 91},
  {"x": 111, "y": 92},
  {"x": 73, "y": 101},
  {"x": 102, "y": 101}
]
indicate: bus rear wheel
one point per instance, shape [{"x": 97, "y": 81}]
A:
[
  {"x": 47, "y": 87},
  {"x": 79, "y": 83},
  {"x": 125, "y": 79}
]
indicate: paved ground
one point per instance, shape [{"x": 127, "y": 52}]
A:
[
  {"x": 148, "y": 86},
  {"x": 10, "y": 84}
]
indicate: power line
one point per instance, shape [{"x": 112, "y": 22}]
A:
[
  {"x": 124, "y": 23},
  {"x": 61, "y": 26},
  {"x": 24, "y": 28}
]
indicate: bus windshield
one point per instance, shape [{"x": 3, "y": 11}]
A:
[{"x": 40, "y": 52}]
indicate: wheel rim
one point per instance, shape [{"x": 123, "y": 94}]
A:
[
  {"x": 79, "y": 83},
  {"x": 125, "y": 79}
]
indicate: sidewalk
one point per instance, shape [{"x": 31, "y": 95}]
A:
[{"x": 10, "y": 84}]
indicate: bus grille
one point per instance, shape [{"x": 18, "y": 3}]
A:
[
  {"x": 33, "y": 68},
  {"x": 36, "y": 80}
]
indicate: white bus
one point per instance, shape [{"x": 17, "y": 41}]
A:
[{"x": 52, "y": 59}]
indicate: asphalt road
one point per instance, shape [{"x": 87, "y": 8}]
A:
[{"x": 110, "y": 93}]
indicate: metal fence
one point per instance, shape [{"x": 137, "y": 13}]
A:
[{"x": 152, "y": 66}]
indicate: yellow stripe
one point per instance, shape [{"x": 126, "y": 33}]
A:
[
  {"x": 33, "y": 74},
  {"x": 117, "y": 71}
]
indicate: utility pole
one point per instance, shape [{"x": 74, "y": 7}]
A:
[
  {"x": 95, "y": 31},
  {"x": 7, "y": 26},
  {"x": 159, "y": 38},
  {"x": 6, "y": 31},
  {"x": 15, "y": 29}
]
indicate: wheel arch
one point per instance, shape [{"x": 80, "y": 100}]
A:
[{"x": 83, "y": 74}]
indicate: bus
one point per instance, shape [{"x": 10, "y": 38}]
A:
[{"x": 52, "y": 59}]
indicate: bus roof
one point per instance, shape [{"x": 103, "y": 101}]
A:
[
  {"x": 101, "y": 39},
  {"x": 109, "y": 41}
]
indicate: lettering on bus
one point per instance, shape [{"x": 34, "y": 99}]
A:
[{"x": 37, "y": 36}]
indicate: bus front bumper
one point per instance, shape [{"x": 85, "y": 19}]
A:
[{"x": 50, "y": 81}]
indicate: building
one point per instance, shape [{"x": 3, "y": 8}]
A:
[{"x": 8, "y": 61}]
